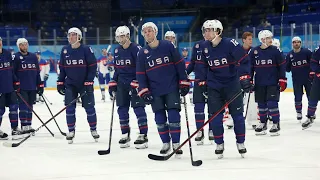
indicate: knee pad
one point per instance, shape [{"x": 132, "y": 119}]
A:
[
  {"x": 71, "y": 110},
  {"x": 90, "y": 111},
  {"x": 174, "y": 116},
  {"x": 123, "y": 112},
  {"x": 160, "y": 117},
  {"x": 140, "y": 111}
]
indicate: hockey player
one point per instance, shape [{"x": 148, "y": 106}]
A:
[
  {"x": 314, "y": 96},
  {"x": 170, "y": 36},
  {"x": 78, "y": 67},
  {"x": 226, "y": 61},
  {"x": 269, "y": 66},
  {"x": 103, "y": 71},
  {"x": 298, "y": 62},
  {"x": 124, "y": 85},
  {"x": 197, "y": 65},
  {"x": 26, "y": 68},
  {"x": 8, "y": 97},
  {"x": 160, "y": 57},
  {"x": 44, "y": 72}
]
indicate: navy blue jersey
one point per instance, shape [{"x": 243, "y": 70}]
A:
[
  {"x": 125, "y": 63},
  {"x": 227, "y": 61},
  {"x": 27, "y": 70},
  {"x": 7, "y": 77},
  {"x": 197, "y": 64},
  {"x": 160, "y": 69},
  {"x": 299, "y": 64},
  {"x": 268, "y": 65},
  {"x": 315, "y": 61},
  {"x": 77, "y": 65}
]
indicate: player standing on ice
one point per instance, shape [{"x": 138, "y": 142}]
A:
[
  {"x": 160, "y": 57},
  {"x": 103, "y": 72},
  {"x": 314, "y": 96},
  {"x": 226, "y": 61},
  {"x": 198, "y": 66},
  {"x": 124, "y": 85},
  {"x": 26, "y": 68},
  {"x": 8, "y": 97},
  {"x": 298, "y": 62},
  {"x": 269, "y": 66},
  {"x": 44, "y": 72},
  {"x": 78, "y": 67},
  {"x": 170, "y": 36}
]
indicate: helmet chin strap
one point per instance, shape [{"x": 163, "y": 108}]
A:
[
  {"x": 154, "y": 39},
  {"x": 214, "y": 39}
]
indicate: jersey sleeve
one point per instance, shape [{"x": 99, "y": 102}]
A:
[
  {"x": 240, "y": 57},
  {"x": 38, "y": 70},
  {"x": 190, "y": 67},
  {"x": 178, "y": 63},
  {"x": 14, "y": 75},
  {"x": 61, "y": 65},
  {"x": 115, "y": 74},
  {"x": 91, "y": 64},
  {"x": 141, "y": 71},
  {"x": 288, "y": 63},
  {"x": 281, "y": 63},
  {"x": 16, "y": 65},
  {"x": 314, "y": 62}
]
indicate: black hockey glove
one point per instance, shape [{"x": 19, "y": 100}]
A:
[
  {"x": 134, "y": 85},
  {"x": 246, "y": 83},
  {"x": 46, "y": 77},
  {"x": 40, "y": 88},
  {"x": 184, "y": 86},
  {"x": 61, "y": 88},
  {"x": 311, "y": 76},
  {"x": 112, "y": 87},
  {"x": 16, "y": 86},
  {"x": 88, "y": 86},
  {"x": 146, "y": 95},
  {"x": 204, "y": 88}
]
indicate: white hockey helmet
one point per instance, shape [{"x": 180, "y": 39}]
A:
[
  {"x": 122, "y": 30},
  {"x": 263, "y": 34},
  {"x": 212, "y": 24},
  {"x": 296, "y": 38},
  {"x": 170, "y": 34},
  {"x": 77, "y": 31},
  {"x": 149, "y": 24},
  {"x": 21, "y": 41},
  {"x": 276, "y": 42}
]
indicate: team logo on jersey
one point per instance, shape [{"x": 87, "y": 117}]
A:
[
  {"x": 21, "y": 57},
  {"x": 116, "y": 51},
  {"x": 4, "y": 65},
  {"x": 65, "y": 51},
  {"x": 197, "y": 46},
  {"x": 255, "y": 52},
  {"x": 206, "y": 50},
  {"x": 291, "y": 55},
  {"x": 146, "y": 51}
]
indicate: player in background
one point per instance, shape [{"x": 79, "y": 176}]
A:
[
  {"x": 44, "y": 72},
  {"x": 197, "y": 65},
  {"x": 170, "y": 36},
  {"x": 103, "y": 72},
  {"x": 185, "y": 53},
  {"x": 160, "y": 57},
  {"x": 298, "y": 63},
  {"x": 78, "y": 67},
  {"x": 268, "y": 68},
  {"x": 26, "y": 68},
  {"x": 226, "y": 61},
  {"x": 8, "y": 97},
  {"x": 124, "y": 85},
  {"x": 252, "y": 115},
  {"x": 314, "y": 96}
]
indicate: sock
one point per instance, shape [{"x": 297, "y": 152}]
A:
[
  {"x": 263, "y": 112},
  {"x": 239, "y": 127},
  {"x": 199, "y": 114},
  {"x": 274, "y": 111},
  {"x": 13, "y": 115},
  {"x": 92, "y": 118},
  {"x": 174, "y": 125},
  {"x": 71, "y": 117},
  {"x": 142, "y": 119},
  {"x": 217, "y": 128},
  {"x": 123, "y": 112},
  {"x": 162, "y": 125}
]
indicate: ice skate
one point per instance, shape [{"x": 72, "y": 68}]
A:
[
  {"x": 125, "y": 140},
  {"x": 16, "y": 134},
  {"x": 274, "y": 131},
  {"x": 299, "y": 116},
  {"x": 211, "y": 137},
  {"x": 95, "y": 135},
  {"x": 179, "y": 152},
  {"x": 3, "y": 136},
  {"x": 70, "y": 137},
  {"x": 308, "y": 122},
  {"x": 141, "y": 142},
  {"x": 241, "y": 149},
  {"x": 26, "y": 130},
  {"x": 261, "y": 129},
  {"x": 219, "y": 150},
  {"x": 199, "y": 138},
  {"x": 165, "y": 148}
]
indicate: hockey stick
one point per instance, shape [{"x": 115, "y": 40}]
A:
[
  {"x": 44, "y": 99},
  {"x": 8, "y": 144},
  {"x": 30, "y": 108},
  {"x": 247, "y": 108},
  {"x": 104, "y": 152},
  {"x": 164, "y": 158},
  {"x": 198, "y": 162}
]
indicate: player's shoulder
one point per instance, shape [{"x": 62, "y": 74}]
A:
[
  {"x": 306, "y": 50},
  {"x": 143, "y": 51},
  {"x": 230, "y": 42},
  {"x": 165, "y": 43},
  {"x": 135, "y": 46},
  {"x": 87, "y": 48}
]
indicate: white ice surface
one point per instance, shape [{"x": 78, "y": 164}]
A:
[{"x": 294, "y": 155}]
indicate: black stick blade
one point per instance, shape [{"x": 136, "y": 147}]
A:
[
  {"x": 63, "y": 133},
  {"x": 104, "y": 152},
  {"x": 158, "y": 158},
  {"x": 197, "y": 163},
  {"x": 8, "y": 144}
]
